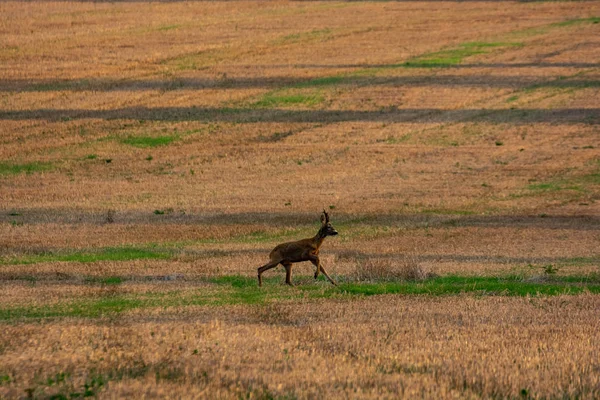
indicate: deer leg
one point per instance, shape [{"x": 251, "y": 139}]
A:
[
  {"x": 288, "y": 273},
  {"x": 327, "y": 275},
  {"x": 320, "y": 268},
  {"x": 316, "y": 263},
  {"x": 264, "y": 268}
]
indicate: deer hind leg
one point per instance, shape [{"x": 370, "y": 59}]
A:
[
  {"x": 288, "y": 273},
  {"x": 264, "y": 268},
  {"x": 317, "y": 263}
]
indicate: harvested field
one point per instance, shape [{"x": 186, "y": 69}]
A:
[
  {"x": 152, "y": 155},
  {"x": 387, "y": 346}
]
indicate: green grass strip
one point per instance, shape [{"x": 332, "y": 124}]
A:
[
  {"x": 451, "y": 284},
  {"x": 106, "y": 254},
  {"x": 26, "y": 168},
  {"x": 241, "y": 290},
  {"x": 452, "y": 57},
  {"x": 149, "y": 141},
  {"x": 479, "y": 286}
]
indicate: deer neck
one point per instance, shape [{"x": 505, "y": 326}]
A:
[{"x": 319, "y": 238}]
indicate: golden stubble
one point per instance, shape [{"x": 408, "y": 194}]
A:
[{"x": 383, "y": 346}]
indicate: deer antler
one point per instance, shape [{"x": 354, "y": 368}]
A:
[{"x": 326, "y": 217}]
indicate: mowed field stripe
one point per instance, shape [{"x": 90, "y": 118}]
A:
[{"x": 239, "y": 290}]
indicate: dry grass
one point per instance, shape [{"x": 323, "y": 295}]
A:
[
  {"x": 147, "y": 151},
  {"x": 369, "y": 268},
  {"x": 381, "y": 347}
]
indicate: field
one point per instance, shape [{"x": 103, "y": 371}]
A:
[{"x": 152, "y": 155}]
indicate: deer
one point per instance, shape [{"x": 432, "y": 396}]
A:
[{"x": 302, "y": 250}]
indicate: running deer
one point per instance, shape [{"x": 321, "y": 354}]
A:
[{"x": 302, "y": 250}]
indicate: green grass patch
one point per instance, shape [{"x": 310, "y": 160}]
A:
[
  {"x": 241, "y": 290},
  {"x": 106, "y": 254},
  {"x": 508, "y": 286},
  {"x": 455, "y": 56},
  {"x": 324, "y": 81},
  {"x": 247, "y": 296},
  {"x": 110, "y": 280},
  {"x": 577, "y": 185},
  {"x": 591, "y": 278},
  {"x": 149, "y": 141},
  {"x": 557, "y": 186},
  {"x": 25, "y": 168},
  {"x": 236, "y": 281}
]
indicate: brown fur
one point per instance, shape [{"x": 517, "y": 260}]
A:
[{"x": 298, "y": 251}]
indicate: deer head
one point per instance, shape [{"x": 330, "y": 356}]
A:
[{"x": 326, "y": 228}]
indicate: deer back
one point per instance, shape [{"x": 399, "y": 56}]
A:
[{"x": 296, "y": 251}]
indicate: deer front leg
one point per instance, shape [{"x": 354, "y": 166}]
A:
[
  {"x": 327, "y": 275},
  {"x": 317, "y": 263}
]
